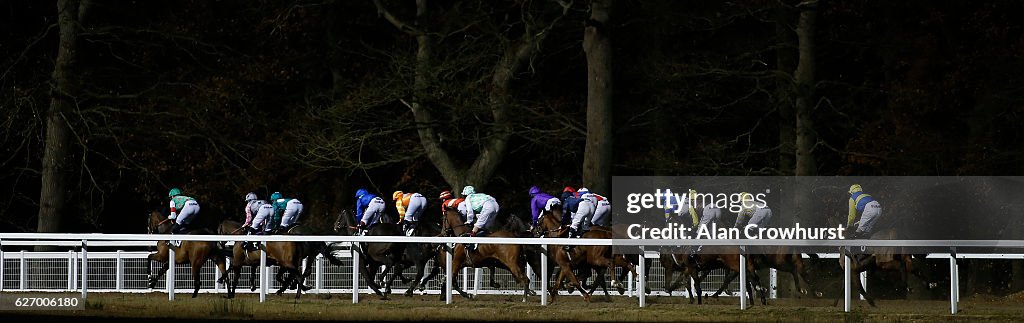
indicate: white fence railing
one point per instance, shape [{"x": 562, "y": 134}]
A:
[
  {"x": 126, "y": 272},
  {"x": 86, "y": 240}
]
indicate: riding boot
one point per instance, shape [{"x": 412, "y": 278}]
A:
[{"x": 572, "y": 234}]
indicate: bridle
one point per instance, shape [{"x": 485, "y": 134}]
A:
[{"x": 544, "y": 232}]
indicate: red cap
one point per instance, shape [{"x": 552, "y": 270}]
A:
[
  {"x": 568, "y": 189},
  {"x": 446, "y": 195}
]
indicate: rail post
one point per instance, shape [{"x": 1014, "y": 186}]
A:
[
  {"x": 1, "y": 265},
  {"x": 85, "y": 269},
  {"x": 263, "y": 271},
  {"x": 72, "y": 274},
  {"x": 544, "y": 277},
  {"x": 641, "y": 286},
  {"x": 23, "y": 273},
  {"x": 448, "y": 275},
  {"x": 773, "y": 284},
  {"x": 743, "y": 278},
  {"x": 318, "y": 276},
  {"x": 355, "y": 273},
  {"x": 169, "y": 282},
  {"x": 477, "y": 275},
  {"x": 847, "y": 280},
  {"x": 119, "y": 272},
  {"x": 954, "y": 282}
]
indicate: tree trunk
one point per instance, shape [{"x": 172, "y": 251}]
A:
[
  {"x": 597, "y": 158},
  {"x": 783, "y": 89},
  {"x": 53, "y": 194},
  {"x": 805, "y": 135}
]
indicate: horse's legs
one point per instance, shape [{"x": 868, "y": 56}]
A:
[
  {"x": 222, "y": 268},
  {"x": 421, "y": 269},
  {"x": 236, "y": 271},
  {"x": 281, "y": 270},
  {"x": 627, "y": 267},
  {"x": 196, "y": 281},
  {"x": 252, "y": 278},
  {"x": 729, "y": 277},
  {"x": 153, "y": 278},
  {"x": 297, "y": 277},
  {"x": 566, "y": 270},
  {"x": 511, "y": 261},
  {"x": 860, "y": 288},
  {"x": 368, "y": 276},
  {"x": 494, "y": 284},
  {"x": 436, "y": 269},
  {"x": 457, "y": 260}
]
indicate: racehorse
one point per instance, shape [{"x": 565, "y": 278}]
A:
[
  {"x": 194, "y": 253},
  {"x": 420, "y": 255},
  {"x": 507, "y": 256},
  {"x": 673, "y": 261},
  {"x": 285, "y": 254},
  {"x": 886, "y": 259},
  {"x": 727, "y": 257},
  {"x": 627, "y": 263},
  {"x": 374, "y": 254},
  {"x": 781, "y": 258},
  {"x": 550, "y": 226}
]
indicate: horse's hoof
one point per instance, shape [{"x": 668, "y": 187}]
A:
[{"x": 819, "y": 294}]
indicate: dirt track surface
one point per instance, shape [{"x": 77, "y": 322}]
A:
[{"x": 154, "y": 307}]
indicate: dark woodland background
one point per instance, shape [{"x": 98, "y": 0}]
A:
[{"x": 107, "y": 104}]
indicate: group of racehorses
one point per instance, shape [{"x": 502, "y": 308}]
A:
[{"x": 575, "y": 264}]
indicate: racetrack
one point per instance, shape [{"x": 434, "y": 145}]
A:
[{"x": 150, "y": 306}]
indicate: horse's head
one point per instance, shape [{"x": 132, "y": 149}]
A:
[
  {"x": 452, "y": 219},
  {"x": 345, "y": 222},
  {"x": 549, "y": 224},
  {"x": 158, "y": 223}
]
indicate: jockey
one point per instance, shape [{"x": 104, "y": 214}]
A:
[
  {"x": 541, "y": 202},
  {"x": 750, "y": 213},
  {"x": 869, "y": 209},
  {"x": 410, "y": 206},
  {"x": 602, "y": 211},
  {"x": 449, "y": 202},
  {"x": 480, "y": 210},
  {"x": 584, "y": 211},
  {"x": 369, "y": 208},
  {"x": 256, "y": 214},
  {"x": 570, "y": 202},
  {"x": 183, "y": 210},
  {"x": 675, "y": 207},
  {"x": 286, "y": 212}
]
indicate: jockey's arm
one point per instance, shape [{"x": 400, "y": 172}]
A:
[
  {"x": 359, "y": 209},
  {"x": 174, "y": 210},
  {"x": 853, "y": 213}
]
